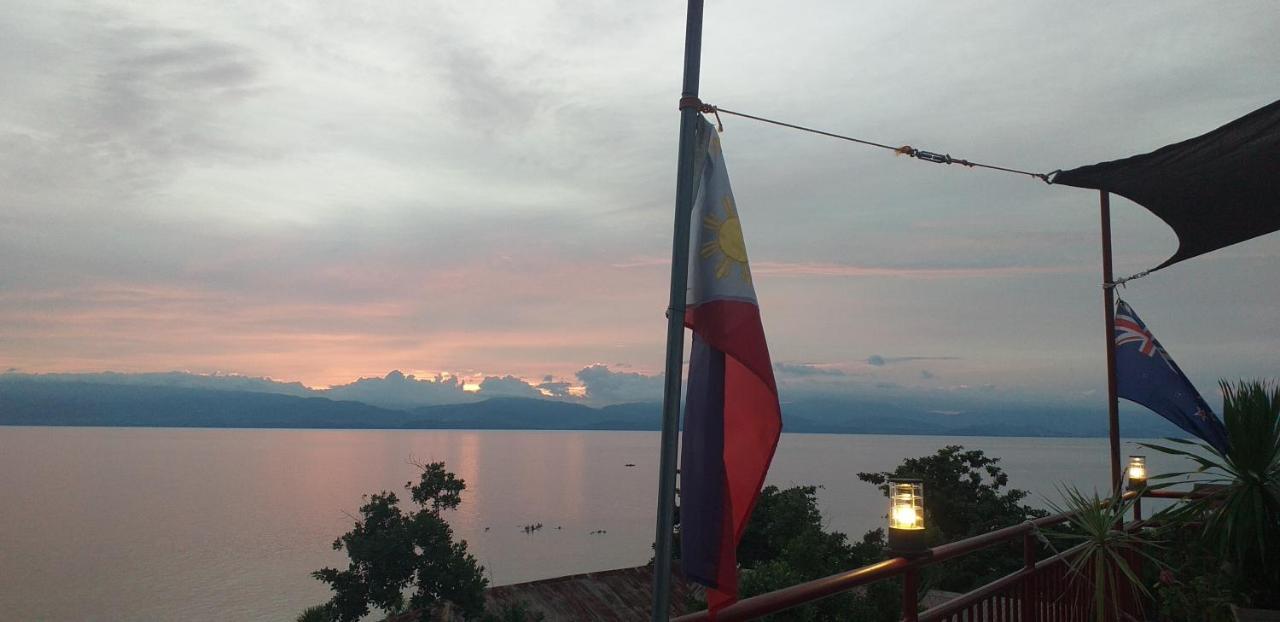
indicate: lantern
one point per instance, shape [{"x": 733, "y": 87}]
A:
[
  {"x": 1137, "y": 472},
  {"x": 906, "y": 516}
]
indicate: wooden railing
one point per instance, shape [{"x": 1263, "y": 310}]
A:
[{"x": 1039, "y": 591}]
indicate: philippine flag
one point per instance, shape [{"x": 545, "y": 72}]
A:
[{"x": 732, "y": 419}]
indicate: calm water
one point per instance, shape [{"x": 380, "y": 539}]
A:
[{"x": 167, "y": 524}]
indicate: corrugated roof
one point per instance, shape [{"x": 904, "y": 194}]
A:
[{"x": 612, "y": 595}]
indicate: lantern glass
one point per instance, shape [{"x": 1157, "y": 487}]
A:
[
  {"x": 1137, "y": 471},
  {"x": 906, "y": 509}
]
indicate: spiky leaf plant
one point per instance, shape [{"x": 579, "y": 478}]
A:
[
  {"x": 1241, "y": 517},
  {"x": 1101, "y": 557}
]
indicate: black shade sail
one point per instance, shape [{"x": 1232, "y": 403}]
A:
[{"x": 1214, "y": 190}]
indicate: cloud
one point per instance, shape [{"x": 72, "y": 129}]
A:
[
  {"x": 807, "y": 370},
  {"x": 606, "y": 386},
  {"x": 555, "y": 389},
  {"x": 182, "y": 187},
  {"x": 811, "y": 269},
  {"x": 876, "y": 360},
  {"x": 397, "y": 390},
  {"x": 149, "y": 101},
  {"x": 216, "y": 381},
  {"x": 980, "y": 388},
  {"x": 786, "y": 269},
  {"x": 507, "y": 386}
]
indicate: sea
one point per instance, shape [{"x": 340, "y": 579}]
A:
[{"x": 227, "y": 524}]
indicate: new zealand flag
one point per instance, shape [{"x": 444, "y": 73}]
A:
[{"x": 1146, "y": 375}]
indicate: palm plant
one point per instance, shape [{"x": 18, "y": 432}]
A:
[
  {"x": 1101, "y": 559},
  {"x": 1241, "y": 517}
]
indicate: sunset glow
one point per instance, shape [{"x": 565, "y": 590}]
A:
[
  {"x": 225, "y": 243},
  {"x": 385, "y": 310}
]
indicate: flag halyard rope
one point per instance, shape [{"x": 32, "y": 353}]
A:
[
  {"x": 1121, "y": 281},
  {"x": 907, "y": 150}
]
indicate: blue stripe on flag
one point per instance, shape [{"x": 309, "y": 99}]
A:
[{"x": 702, "y": 483}]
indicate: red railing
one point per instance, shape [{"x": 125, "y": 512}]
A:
[{"x": 1040, "y": 591}]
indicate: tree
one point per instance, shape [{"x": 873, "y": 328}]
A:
[
  {"x": 785, "y": 544},
  {"x": 964, "y": 497},
  {"x": 390, "y": 550}
]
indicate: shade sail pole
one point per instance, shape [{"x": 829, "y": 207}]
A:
[
  {"x": 689, "y": 119},
  {"x": 1108, "y": 301}
]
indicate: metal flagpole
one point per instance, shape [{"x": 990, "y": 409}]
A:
[
  {"x": 1108, "y": 298},
  {"x": 689, "y": 119}
]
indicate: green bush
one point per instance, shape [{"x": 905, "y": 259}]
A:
[
  {"x": 1193, "y": 583},
  {"x": 1241, "y": 518},
  {"x": 318, "y": 613}
]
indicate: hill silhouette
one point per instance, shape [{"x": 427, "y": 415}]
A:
[{"x": 45, "y": 401}]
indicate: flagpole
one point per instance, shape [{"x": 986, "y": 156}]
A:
[
  {"x": 1108, "y": 298},
  {"x": 689, "y": 118}
]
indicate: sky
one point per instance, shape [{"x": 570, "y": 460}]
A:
[{"x": 321, "y": 192}]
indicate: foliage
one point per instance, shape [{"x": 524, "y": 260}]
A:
[
  {"x": 1194, "y": 583},
  {"x": 965, "y": 495},
  {"x": 318, "y": 613},
  {"x": 785, "y": 544},
  {"x": 1103, "y": 563},
  {"x": 1241, "y": 521},
  {"x": 391, "y": 550}
]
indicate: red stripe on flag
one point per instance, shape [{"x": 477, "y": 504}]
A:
[
  {"x": 726, "y": 590},
  {"x": 752, "y": 426},
  {"x": 752, "y": 422},
  {"x": 734, "y": 327}
]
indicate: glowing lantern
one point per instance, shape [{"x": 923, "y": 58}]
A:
[
  {"x": 906, "y": 516},
  {"x": 1137, "y": 472}
]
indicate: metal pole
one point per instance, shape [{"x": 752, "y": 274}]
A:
[
  {"x": 1108, "y": 300},
  {"x": 689, "y": 119}
]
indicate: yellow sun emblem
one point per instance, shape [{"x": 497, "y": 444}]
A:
[{"x": 728, "y": 243}]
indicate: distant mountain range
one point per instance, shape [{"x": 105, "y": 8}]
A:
[{"x": 32, "y": 400}]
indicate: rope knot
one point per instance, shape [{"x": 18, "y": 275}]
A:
[{"x": 704, "y": 108}]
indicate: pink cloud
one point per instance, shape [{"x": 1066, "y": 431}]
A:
[
  {"x": 777, "y": 268},
  {"x": 340, "y": 322},
  {"x": 821, "y": 269}
]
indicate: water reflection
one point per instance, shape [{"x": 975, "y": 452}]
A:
[{"x": 206, "y": 524}]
